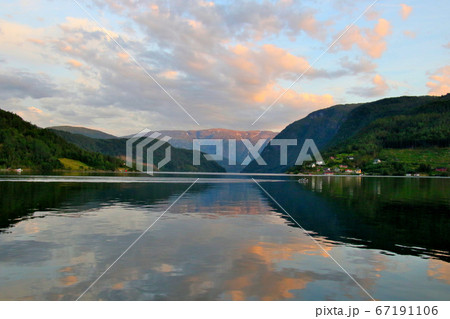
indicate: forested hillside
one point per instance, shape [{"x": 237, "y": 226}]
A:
[
  {"x": 25, "y": 145},
  {"x": 415, "y": 141}
]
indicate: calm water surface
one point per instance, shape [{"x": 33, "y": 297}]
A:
[{"x": 225, "y": 239}]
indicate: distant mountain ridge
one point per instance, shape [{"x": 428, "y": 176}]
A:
[
  {"x": 184, "y": 139},
  {"x": 83, "y": 131}
]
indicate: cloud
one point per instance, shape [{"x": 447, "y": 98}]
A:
[
  {"x": 440, "y": 81},
  {"x": 124, "y": 56},
  {"x": 308, "y": 23},
  {"x": 264, "y": 64},
  {"x": 223, "y": 63},
  {"x": 409, "y": 34},
  {"x": 379, "y": 88},
  {"x": 357, "y": 66},
  {"x": 22, "y": 41},
  {"x": 405, "y": 11},
  {"x": 203, "y": 53},
  {"x": 85, "y": 25},
  {"x": 170, "y": 74},
  {"x": 370, "y": 41},
  {"x": 246, "y": 20},
  {"x": 74, "y": 63},
  {"x": 37, "y": 41},
  {"x": 35, "y": 110},
  {"x": 291, "y": 98},
  {"x": 372, "y": 15},
  {"x": 19, "y": 84},
  {"x": 32, "y": 114}
]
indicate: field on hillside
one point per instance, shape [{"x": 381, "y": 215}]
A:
[
  {"x": 73, "y": 164},
  {"x": 436, "y": 157}
]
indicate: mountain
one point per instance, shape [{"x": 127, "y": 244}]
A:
[
  {"x": 25, "y": 145},
  {"x": 184, "y": 139},
  {"x": 83, "y": 131},
  {"x": 181, "y": 159},
  {"x": 411, "y": 131},
  {"x": 396, "y": 123},
  {"x": 412, "y": 138},
  {"x": 179, "y": 139},
  {"x": 366, "y": 113},
  {"x": 321, "y": 125}
]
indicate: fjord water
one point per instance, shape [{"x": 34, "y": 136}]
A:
[{"x": 225, "y": 239}]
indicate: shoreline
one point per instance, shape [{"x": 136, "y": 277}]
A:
[{"x": 81, "y": 173}]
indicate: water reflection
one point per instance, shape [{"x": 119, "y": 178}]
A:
[
  {"x": 403, "y": 216},
  {"x": 20, "y": 200},
  {"x": 225, "y": 241}
]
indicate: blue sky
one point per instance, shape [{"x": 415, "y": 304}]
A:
[{"x": 223, "y": 62}]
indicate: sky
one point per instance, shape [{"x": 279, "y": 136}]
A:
[{"x": 126, "y": 65}]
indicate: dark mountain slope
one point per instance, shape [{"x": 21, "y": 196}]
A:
[
  {"x": 320, "y": 125},
  {"x": 366, "y": 113},
  {"x": 424, "y": 125}
]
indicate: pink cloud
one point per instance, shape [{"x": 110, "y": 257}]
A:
[
  {"x": 440, "y": 81},
  {"x": 75, "y": 63},
  {"x": 170, "y": 74},
  {"x": 372, "y": 42},
  {"x": 36, "y": 41},
  {"x": 405, "y": 11},
  {"x": 291, "y": 98},
  {"x": 35, "y": 110}
]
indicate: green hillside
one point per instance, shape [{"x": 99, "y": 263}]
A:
[
  {"x": 416, "y": 141},
  {"x": 407, "y": 135},
  {"x": 367, "y": 113},
  {"x": 25, "y": 145},
  {"x": 395, "y": 136},
  {"x": 181, "y": 159}
]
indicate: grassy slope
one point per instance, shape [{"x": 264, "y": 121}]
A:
[{"x": 71, "y": 164}]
